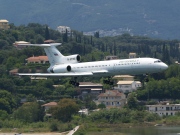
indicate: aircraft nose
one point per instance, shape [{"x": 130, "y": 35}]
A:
[{"x": 164, "y": 66}]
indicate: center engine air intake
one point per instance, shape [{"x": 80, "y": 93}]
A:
[
  {"x": 78, "y": 58},
  {"x": 72, "y": 58}
]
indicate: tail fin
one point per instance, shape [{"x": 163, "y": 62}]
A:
[{"x": 54, "y": 56}]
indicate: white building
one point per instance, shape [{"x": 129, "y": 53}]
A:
[
  {"x": 83, "y": 111},
  {"x": 4, "y": 24},
  {"x": 168, "y": 109},
  {"x": 112, "y": 98},
  {"x": 128, "y": 86},
  {"x": 62, "y": 29},
  {"x": 132, "y": 55}
]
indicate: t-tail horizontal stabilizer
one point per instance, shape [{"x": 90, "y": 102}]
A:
[
  {"x": 42, "y": 45},
  {"x": 53, "y": 54}
]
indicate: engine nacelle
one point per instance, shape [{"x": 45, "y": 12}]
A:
[
  {"x": 72, "y": 58},
  {"x": 60, "y": 69}
]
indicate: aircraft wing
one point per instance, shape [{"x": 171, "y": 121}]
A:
[
  {"x": 57, "y": 74},
  {"x": 64, "y": 74}
]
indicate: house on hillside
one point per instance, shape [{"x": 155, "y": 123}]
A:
[
  {"x": 47, "y": 106},
  {"x": 123, "y": 77},
  {"x": 112, "y": 98},
  {"x": 4, "y": 25},
  {"x": 126, "y": 83},
  {"x": 62, "y": 30},
  {"x": 132, "y": 55},
  {"x": 13, "y": 72},
  {"x": 89, "y": 88},
  {"x": 118, "y": 78},
  {"x": 164, "y": 110},
  {"x": 111, "y": 57},
  {"x": 128, "y": 86},
  {"x": 38, "y": 59}
]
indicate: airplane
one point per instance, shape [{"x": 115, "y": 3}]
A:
[{"x": 70, "y": 66}]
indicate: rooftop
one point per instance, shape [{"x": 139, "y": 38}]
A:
[
  {"x": 114, "y": 93},
  {"x": 50, "y": 104},
  {"x": 4, "y": 20},
  {"x": 37, "y": 58},
  {"x": 123, "y": 76},
  {"x": 20, "y": 42},
  {"x": 89, "y": 84},
  {"x": 125, "y": 82}
]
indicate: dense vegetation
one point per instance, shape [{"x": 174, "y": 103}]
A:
[{"x": 14, "y": 114}]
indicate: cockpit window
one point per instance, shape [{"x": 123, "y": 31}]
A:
[{"x": 157, "y": 61}]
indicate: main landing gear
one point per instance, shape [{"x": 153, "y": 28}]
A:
[
  {"x": 108, "y": 81},
  {"x": 74, "y": 82},
  {"x": 146, "y": 79}
]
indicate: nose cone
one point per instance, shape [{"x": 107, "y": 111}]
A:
[{"x": 164, "y": 66}]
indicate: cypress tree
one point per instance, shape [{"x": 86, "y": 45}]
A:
[
  {"x": 47, "y": 36},
  {"x": 65, "y": 37},
  {"x": 115, "y": 49}
]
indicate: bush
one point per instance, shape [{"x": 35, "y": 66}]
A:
[{"x": 54, "y": 126}]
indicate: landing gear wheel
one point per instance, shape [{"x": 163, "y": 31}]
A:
[
  {"x": 108, "y": 81},
  {"x": 74, "y": 83}
]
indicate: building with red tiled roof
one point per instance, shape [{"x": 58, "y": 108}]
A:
[
  {"x": 112, "y": 98},
  {"x": 13, "y": 72},
  {"x": 49, "y": 105},
  {"x": 38, "y": 59},
  {"x": 49, "y": 41}
]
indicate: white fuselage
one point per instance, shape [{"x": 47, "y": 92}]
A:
[
  {"x": 125, "y": 66},
  {"x": 61, "y": 65}
]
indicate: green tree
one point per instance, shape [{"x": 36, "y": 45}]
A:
[
  {"x": 7, "y": 84},
  {"x": 11, "y": 61},
  {"x": 96, "y": 34},
  {"x": 3, "y": 43},
  {"x": 65, "y": 109},
  {"x": 7, "y": 102},
  {"x": 65, "y": 36},
  {"x": 29, "y": 112},
  {"x": 3, "y": 115},
  {"x": 132, "y": 101},
  {"x": 31, "y": 98},
  {"x": 47, "y": 36},
  {"x": 92, "y": 105},
  {"x": 39, "y": 39},
  {"x": 101, "y": 106}
]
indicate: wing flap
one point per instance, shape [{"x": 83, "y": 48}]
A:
[{"x": 100, "y": 72}]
